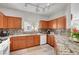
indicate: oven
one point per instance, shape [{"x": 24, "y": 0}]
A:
[{"x": 4, "y": 46}]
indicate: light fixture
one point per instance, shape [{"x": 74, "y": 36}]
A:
[
  {"x": 42, "y": 6},
  {"x": 48, "y": 4}
]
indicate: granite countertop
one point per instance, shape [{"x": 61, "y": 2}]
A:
[
  {"x": 14, "y": 35},
  {"x": 66, "y": 46}
]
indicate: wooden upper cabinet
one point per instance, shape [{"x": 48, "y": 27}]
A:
[
  {"x": 9, "y": 22},
  {"x": 54, "y": 24},
  {"x": 14, "y": 22},
  {"x": 43, "y": 24},
  {"x": 17, "y": 22},
  {"x": 58, "y": 23},
  {"x": 50, "y": 24},
  {"x": 3, "y": 21},
  {"x": 61, "y": 22}
]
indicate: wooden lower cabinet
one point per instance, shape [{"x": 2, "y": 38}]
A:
[
  {"x": 21, "y": 42},
  {"x": 29, "y": 41},
  {"x": 48, "y": 39},
  {"x": 14, "y": 44},
  {"x": 17, "y": 43},
  {"x": 37, "y": 40},
  {"x": 51, "y": 40}
]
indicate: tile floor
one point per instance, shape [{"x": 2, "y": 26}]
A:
[{"x": 37, "y": 50}]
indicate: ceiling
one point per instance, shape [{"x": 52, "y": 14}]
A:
[{"x": 40, "y": 8}]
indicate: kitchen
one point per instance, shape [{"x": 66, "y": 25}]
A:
[{"x": 35, "y": 29}]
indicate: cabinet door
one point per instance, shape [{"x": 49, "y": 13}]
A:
[
  {"x": 54, "y": 24},
  {"x": 29, "y": 41},
  {"x": 61, "y": 22},
  {"x": 43, "y": 24},
  {"x": 17, "y": 43},
  {"x": 11, "y": 44},
  {"x": 51, "y": 24},
  {"x": 17, "y": 22},
  {"x": 10, "y": 22},
  {"x": 49, "y": 39},
  {"x": 14, "y": 43},
  {"x": 22, "y": 42},
  {"x": 14, "y": 22},
  {"x": 64, "y": 22},
  {"x": 52, "y": 40},
  {"x": 36, "y": 39},
  {"x": 1, "y": 20},
  {"x": 5, "y": 22}
]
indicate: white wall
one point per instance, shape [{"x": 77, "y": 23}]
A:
[
  {"x": 75, "y": 14},
  {"x": 68, "y": 16},
  {"x": 30, "y": 18},
  {"x": 56, "y": 15},
  {"x": 75, "y": 10}
]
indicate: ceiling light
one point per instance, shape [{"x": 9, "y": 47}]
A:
[{"x": 48, "y": 4}]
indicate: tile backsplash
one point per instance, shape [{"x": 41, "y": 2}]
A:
[
  {"x": 12, "y": 31},
  {"x": 44, "y": 31},
  {"x": 15, "y": 31}
]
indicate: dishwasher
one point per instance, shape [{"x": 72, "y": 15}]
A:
[{"x": 43, "y": 39}]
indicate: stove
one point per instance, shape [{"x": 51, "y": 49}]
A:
[{"x": 4, "y": 46}]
